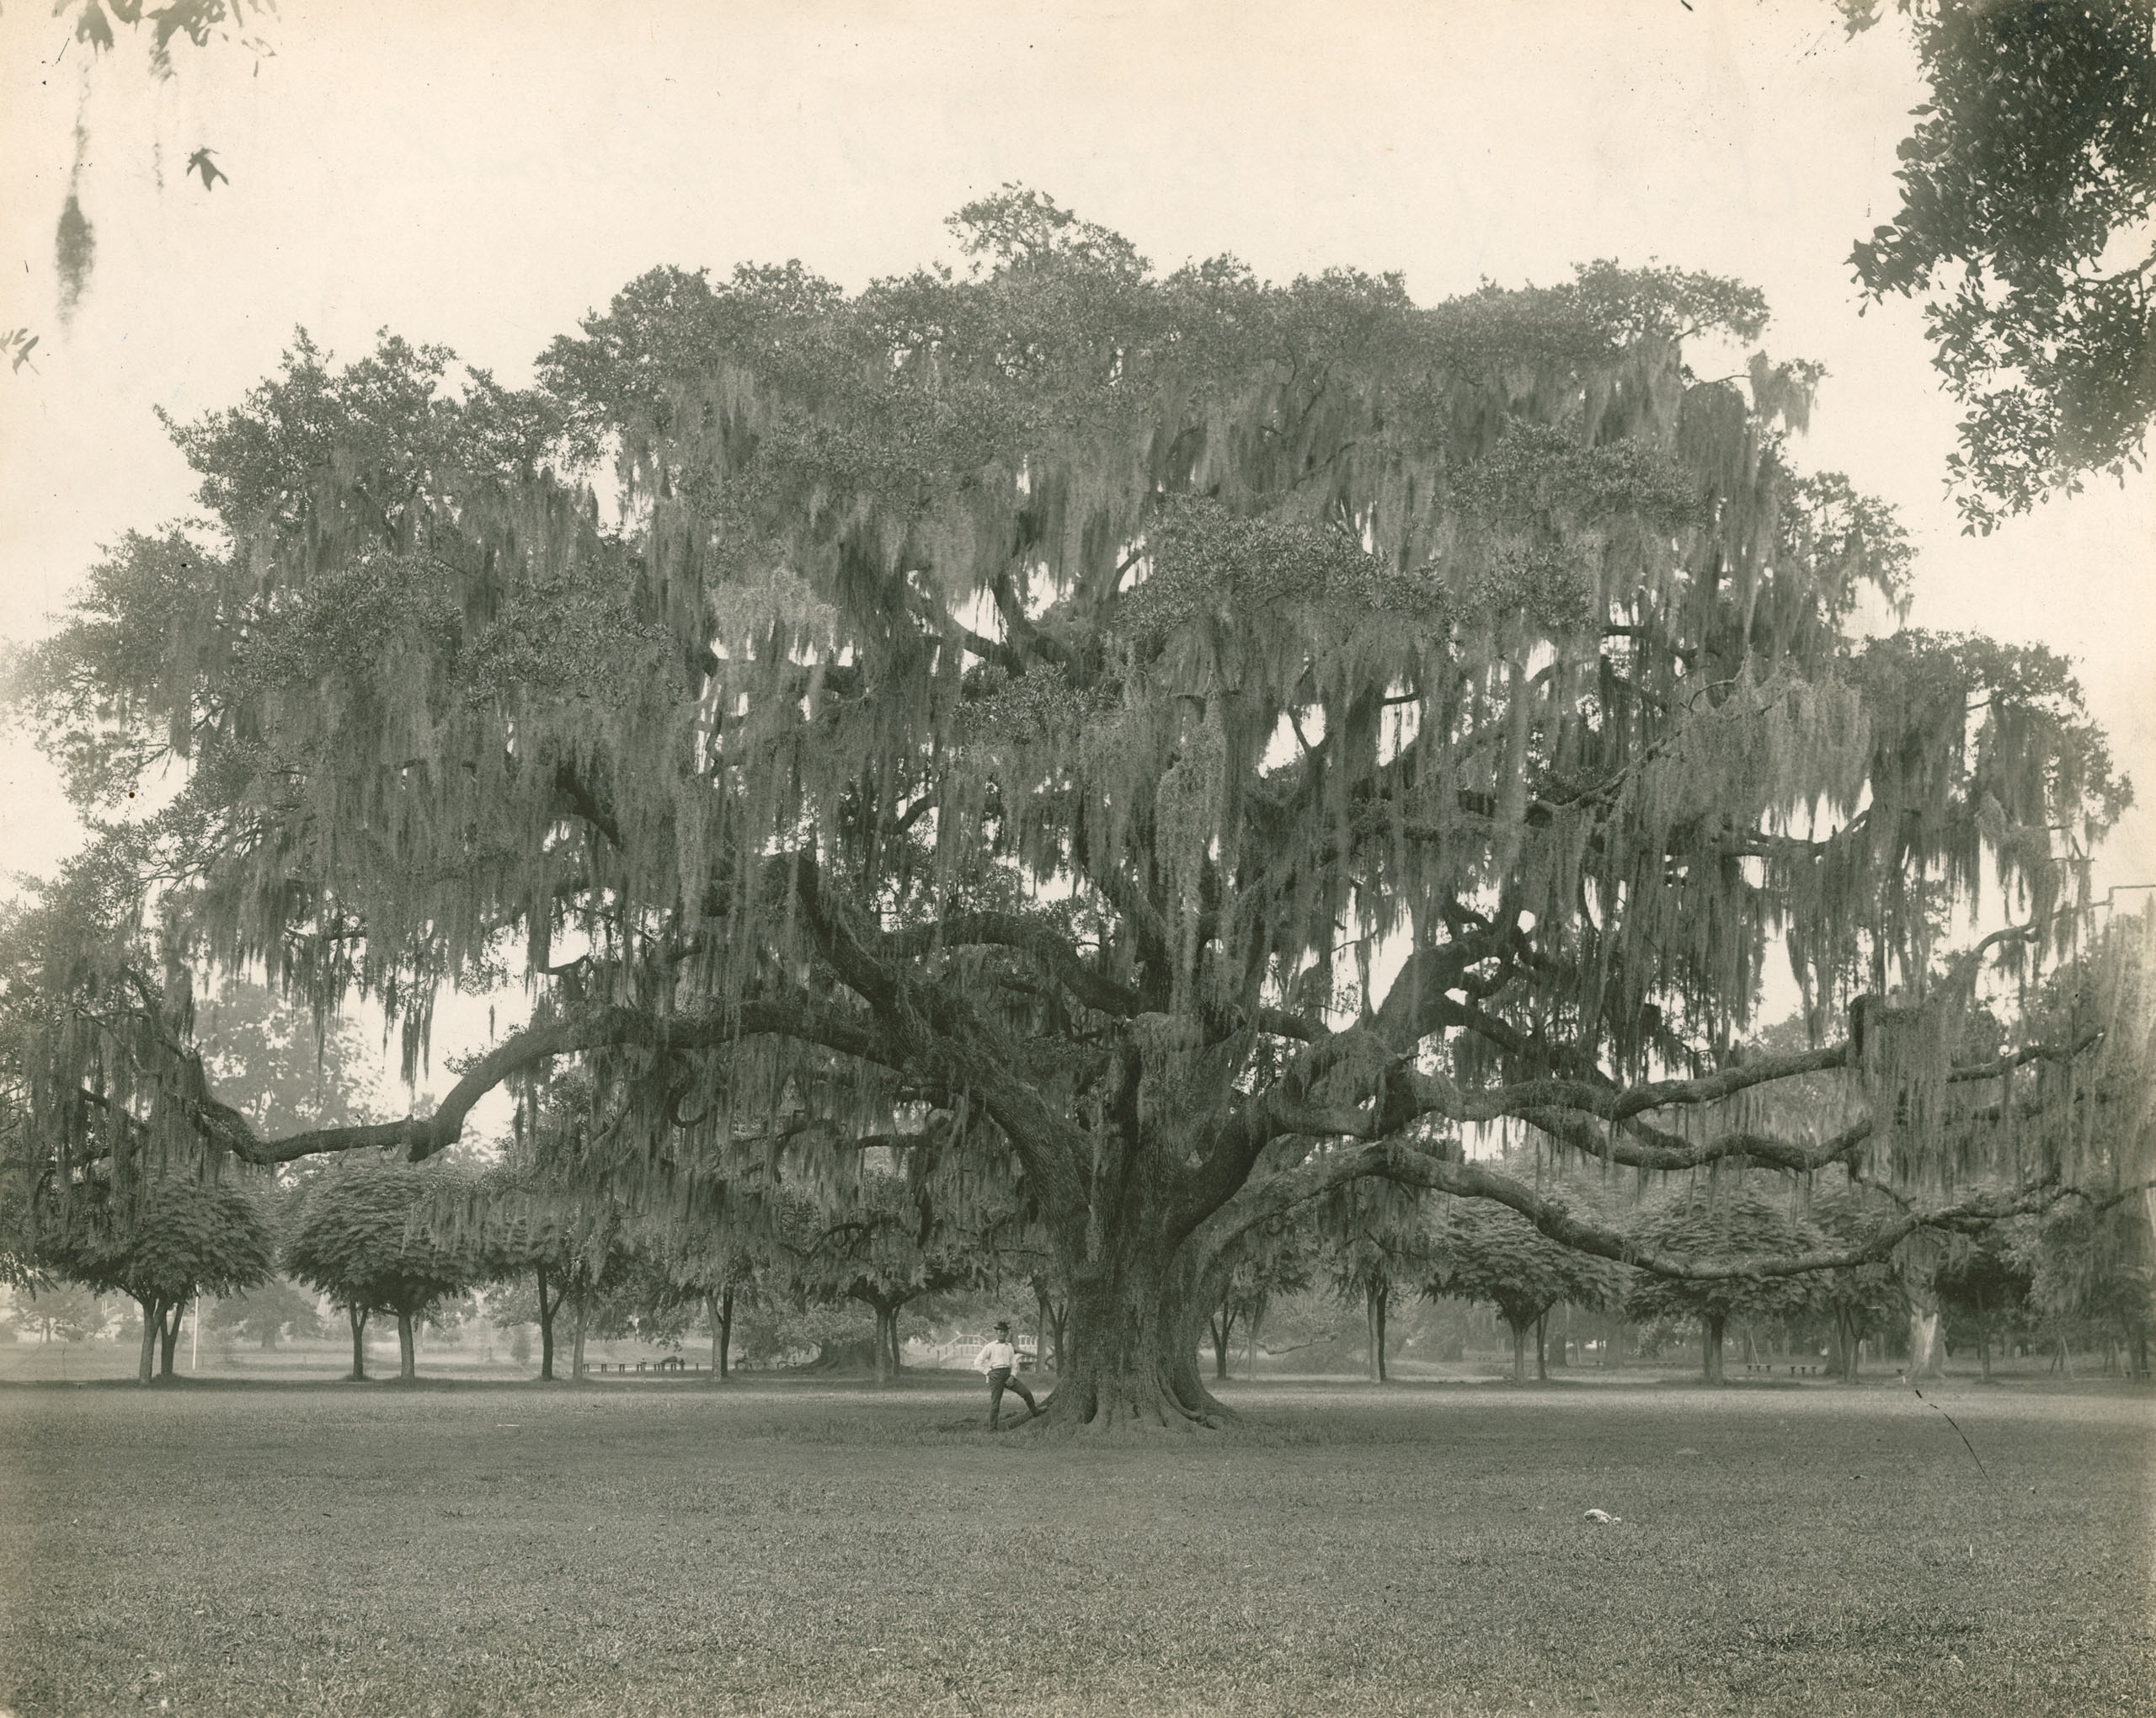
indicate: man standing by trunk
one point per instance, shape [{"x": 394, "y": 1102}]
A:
[{"x": 998, "y": 1360}]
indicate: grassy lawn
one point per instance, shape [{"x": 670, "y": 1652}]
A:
[{"x": 219, "y": 1549}]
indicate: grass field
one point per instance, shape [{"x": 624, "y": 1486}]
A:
[{"x": 216, "y": 1549}]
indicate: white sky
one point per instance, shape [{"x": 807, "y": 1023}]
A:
[{"x": 481, "y": 174}]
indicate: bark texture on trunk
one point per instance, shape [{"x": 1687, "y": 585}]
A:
[
  {"x": 1135, "y": 1313},
  {"x": 1047, "y": 1355},
  {"x": 408, "y": 1358},
  {"x": 719, "y": 1311},
  {"x": 169, "y": 1338},
  {"x": 885, "y": 1342},
  {"x": 358, "y": 1316},
  {"x": 154, "y": 1322},
  {"x": 576, "y": 1351},
  {"x": 1519, "y": 1351},
  {"x": 1710, "y": 1346},
  {"x": 1375, "y": 1295}
]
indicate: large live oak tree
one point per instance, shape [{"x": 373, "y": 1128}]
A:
[{"x": 1147, "y": 748}]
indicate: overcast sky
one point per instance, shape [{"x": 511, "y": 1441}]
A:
[{"x": 482, "y": 174}]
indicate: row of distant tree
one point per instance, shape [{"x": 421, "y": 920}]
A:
[
  {"x": 380, "y": 1239},
  {"x": 782, "y": 1267},
  {"x": 2073, "y": 1280}
]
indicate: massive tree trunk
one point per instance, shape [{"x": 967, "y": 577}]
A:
[
  {"x": 1542, "y": 1349},
  {"x": 358, "y": 1316},
  {"x": 1519, "y": 1331},
  {"x": 1136, "y": 1310},
  {"x": 576, "y": 1350},
  {"x": 1711, "y": 1334},
  {"x": 407, "y": 1369}
]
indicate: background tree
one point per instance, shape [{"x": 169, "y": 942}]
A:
[
  {"x": 1265, "y": 1261},
  {"x": 1736, "y": 1223},
  {"x": 1372, "y": 1240},
  {"x": 2098, "y": 1267},
  {"x": 1009, "y": 711},
  {"x": 283, "y": 1067},
  {"x": 1489, "y": 1254},
  {"x": 267, "y": 1311},
  {"x": 1983, "y": 1285},
  {"x": 361, "y": 1241},
  {"x": 60, "y": 1310},
  {"x": 169, "y": 1240},
  {"x": 714, "y": 1265},
  {"x": 885, "y": 1247},
  {"x": 2026, "y": 190},
  {"x": 1859, "y": 1300},
  {"x": 530, "y": 1269}
]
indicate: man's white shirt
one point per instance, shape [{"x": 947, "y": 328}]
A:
[{"x": 995, "y": 1354}]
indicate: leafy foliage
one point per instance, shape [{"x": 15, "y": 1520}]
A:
[
  {"x": 1735, "y": 1222},
  {"x": 176, "y": 1238},
  {"x": 1003, "y": 716},
  {"x": 1861, "y": 1300},
  {"x": 267, "y": 1312},
  {"x": 59, "y": 1311},
  {"x": 2027, "y": 190},
  {"x": 1491, "y": 1254},
  {"x": 359, "y": 1241}
]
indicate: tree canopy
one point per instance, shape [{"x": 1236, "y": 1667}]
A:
[
  {"x": 1740, "y": 1222},
  {"x": 1149, "y": 748},
  {"x": 1489, "y": 1253},
  {"x": 362, "y": 1240},
  {"x": 2027, "y": 190},
  {"x": 162, "y": 1243}
]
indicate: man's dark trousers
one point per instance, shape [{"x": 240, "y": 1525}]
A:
[{"x": 1001, "y": 1379}]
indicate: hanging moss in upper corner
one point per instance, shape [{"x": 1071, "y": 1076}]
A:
[{"x": 74, "y": 254}]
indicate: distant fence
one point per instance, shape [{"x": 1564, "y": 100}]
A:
[{"x": 965, "y": 1349}]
